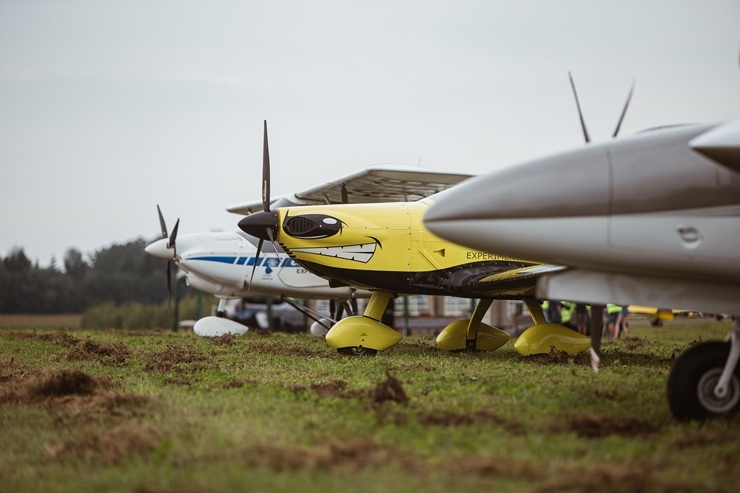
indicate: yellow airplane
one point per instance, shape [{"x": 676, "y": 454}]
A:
[{"x": 385, "y": 248}]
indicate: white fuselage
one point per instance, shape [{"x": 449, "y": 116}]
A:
[
  {"x": 223, "y": 264},
  {"x": 647, "y": 214}
]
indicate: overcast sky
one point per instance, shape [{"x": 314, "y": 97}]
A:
[{"x": 108, "y": 108}]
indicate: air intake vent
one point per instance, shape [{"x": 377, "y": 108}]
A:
[{"x": 298, "y": 226}]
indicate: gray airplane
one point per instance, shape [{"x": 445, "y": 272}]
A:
[{"x": 651, "y": 219}]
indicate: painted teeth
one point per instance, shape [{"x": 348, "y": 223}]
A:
[{"x": 359, "y": 253}]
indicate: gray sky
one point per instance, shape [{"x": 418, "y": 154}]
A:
[{"x": 108, "y": 108}]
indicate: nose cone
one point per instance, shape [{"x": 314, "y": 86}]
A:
[
  {"x": 260, "y": 224},
  {"x": 566, "y": 185},
  {"x": 518, "y": 211},
  {"x": 160, "y": 250}
]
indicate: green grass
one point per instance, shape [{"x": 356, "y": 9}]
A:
[{"x": 162, "y": 412}]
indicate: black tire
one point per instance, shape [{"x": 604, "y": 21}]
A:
[
  {"x": 357, "y": 351},
  {"x": 693, "y": 378}
]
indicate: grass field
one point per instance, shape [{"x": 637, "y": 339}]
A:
[{"x": 156, "y": 412}]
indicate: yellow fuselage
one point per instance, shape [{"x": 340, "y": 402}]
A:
[{"x": 386, "y": 246}]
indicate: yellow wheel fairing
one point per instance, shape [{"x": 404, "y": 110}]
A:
[
  {"x": 541, "y": 338},
  {"x": 362, "y": 332},
  {"x": 454, "y": 337}
]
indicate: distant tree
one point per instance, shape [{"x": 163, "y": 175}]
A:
[
  {"x": 16, "y": 261},
  {"x": 118, "y": 274},
  {"x": 74, "y": 264}
]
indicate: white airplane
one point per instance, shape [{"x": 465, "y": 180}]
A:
[
  {"x": 651, "y": 219},
  {"x": 227, "y": 265}
]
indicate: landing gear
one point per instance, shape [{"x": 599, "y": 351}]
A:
[
  {"x": 357, "y": 351},
  {"x": 694, "y": 379},
  {"x": 362, "y": 335},
  {"x": 221, "y": 310}
]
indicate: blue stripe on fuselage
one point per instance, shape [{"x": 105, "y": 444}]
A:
[{"x": 230, "y": 259}]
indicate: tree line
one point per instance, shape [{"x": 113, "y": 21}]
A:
[{"x": 119, "y": 274}]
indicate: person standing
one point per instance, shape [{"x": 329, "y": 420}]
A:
[
  {"x": 612, "y": 312},
  {"x": 621, "y": 326},
  {"x": 582, "y": 318}
]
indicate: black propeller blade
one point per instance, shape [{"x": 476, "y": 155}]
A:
[
  {"x": 161, "y": 222},
  {"x": 265, "y": 172},
  {"x": 171, "y": 243},
  {"x": 262, "y": 224}
]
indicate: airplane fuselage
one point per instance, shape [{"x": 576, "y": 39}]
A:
[
  {"x": 648, "y": 204},
  {"x": 222, "y": 263},
  {"x": 387, "y": 247}
]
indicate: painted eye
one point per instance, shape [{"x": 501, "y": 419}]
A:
[{"x": 312, "y": 226}]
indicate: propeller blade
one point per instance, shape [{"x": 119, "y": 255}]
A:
[
  {"x": 580, "y": 114},
  {"x": 624, "y": 110},
  {"x": 161, "y": 222},
  {"x": 265, "y": 173},
  {"x": 256, "y": 261},
  {"x": 169, "y": 292},
  {"x": 173, "y": 238}
]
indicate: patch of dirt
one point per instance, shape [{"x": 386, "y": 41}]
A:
[
  {"x": 224, "y": 340},
  {"x": 366, "y": 454},
  {"x": 389, "y": 390},
  {"x": 40, "y": 386},
  {"x": 185, "y": 488},
  {"x": 116, "y": 353},
  {"x": 107, "y": 446},
  {"x": 333, "y": 388},
  {"x": 491, "y": 467},
  {"x": 357, "y": 455},
  {"x": 703, "y": 438},
  {"x": 61, "y": 337},
  {"x": 633, "y": 343},
  {"x": 613, "y": 478},
  {"x": 234, "y": 384},
  {"x": 280, "y": 349},
  {"x": 182, "y": 358},
  {"x": 600, "y": 426},
  {"x": 450, "y": 419},
  {"x": 72, "y": 395}
]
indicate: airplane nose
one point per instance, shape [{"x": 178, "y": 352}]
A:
[
  {"x": 571, "y": 184},
  {"x": 159, "y": 250},
  {"x": 260, "y": 224}
]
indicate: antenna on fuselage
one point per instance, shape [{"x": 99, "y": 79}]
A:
[{"x": 580, "y": 113}]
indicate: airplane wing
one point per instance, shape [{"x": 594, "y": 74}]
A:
[
  {"x": 380, "y": 183},
  {"x": 515, "y": 281}
]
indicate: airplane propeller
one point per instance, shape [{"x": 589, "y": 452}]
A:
[
  {"x": 171, "y": 243},
  {"x": 263, "y": 224}
]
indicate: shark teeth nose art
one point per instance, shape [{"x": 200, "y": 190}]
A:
[{"x": 359, "y": 253}]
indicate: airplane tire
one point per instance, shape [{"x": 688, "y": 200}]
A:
[
  {"x": 693, "y": 378},
  {"x": 357, "y": 351}
]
